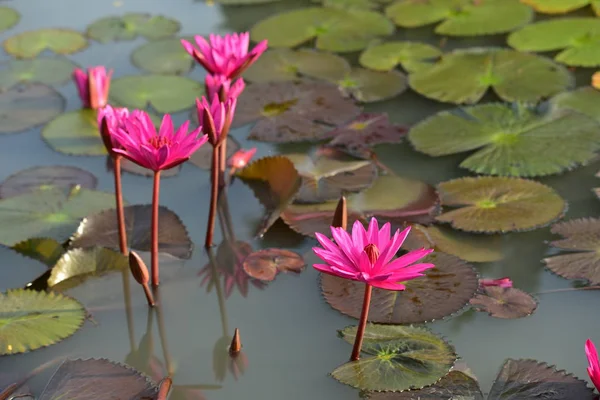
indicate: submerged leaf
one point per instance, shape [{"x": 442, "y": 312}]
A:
[
  {"x": 16, "y": 270},
  {"x": 508, "y": 303},
  {"x": 75, "y": 133},
  {"x": 31, "y": 43},
  {"x": 132, "y": 25},
  {"x": 166, "y": 56},
  {"x": 267, "y": 263},
  {"x": 46, "y": 70},
  {"x": 48, "y": 251},
  {"x": 25, "y": 107},
  {"x": 32, "y": 179},
  {"x": 8, "y": 18}
]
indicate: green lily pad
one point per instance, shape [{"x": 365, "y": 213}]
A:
[
  {"x": 166, "y": 94},
  {"x": 32, "y": 179},
  {"x": 494, "y": 204},
  {"x": 75, "y": 133},
  {"x": 507, "y": 303},
  {"x": 166, "y": 56},
  {"x": 585, "y": 100},
  {"x": 412, "y": 56},
  {"x": 464, "y": 76},
  {"x": 25, "y": 107},
  {"x": 352, "y": 4},
  {"x": 558, "y": 6},
  {"x": 288, "y": 65},
  {"x": 45, "y": 250},
  {"x": 578, "y": 38},
  {"x": 462, "y": 17},
  {"x": 53, "y": 212},
  {"x": 369, "y": 86},
  {"x": 511, "y": 140},
  {"x": 8, "y": 18},
  {"x": 334, "y": 29},
  {"x": 132, "y": 25},
  {"x": 31, "y": 43},
  {"x": 31, "y": 320},
  {"x": 399, "y": 358},
  {"x": 244, "y": 2},
  {"x": 16, "y": 271},
  {"x": 390, "y": 198},
  {"x": 47, "y": 70}
]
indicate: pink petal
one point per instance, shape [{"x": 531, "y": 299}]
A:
[
  {"x": 373, "y": 232},
  {"x": 387, "y": 285},
  {"x": 359, "y": 235},
  {"x": 408, "y": 258}
]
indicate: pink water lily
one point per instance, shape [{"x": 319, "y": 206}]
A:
[
  {"x": 93, "y": 86},
  {"x": 216, "y": 117},
  {"x": 221, "y": 86},
  {"x": 241, "y": 158},
  {"x": 225, "y": 55},
  {"x": 593, "y": 364},
  {"x": 502, "y": 282},
  {"x": 115, "y": 118}
]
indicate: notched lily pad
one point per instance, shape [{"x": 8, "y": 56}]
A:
[
  {"x": 585, "y": 100},
  {"x": 132, "y": 25},
  {"x": 443, "y": 291},
  {"x": 559, "y": 6},
  {"x": 507, "y": 303},
  {"x": 45, "y": 250},
  {"x": 490, "y": 204},
  {"x": 8, "y": 18},
  {"x": 412, "y": 56},
  {"x": 32, "y": 179},
  {"x": 16, "y": 271},
  {"x": 166, "y": 56},
  {"x": 369, "y": 86},
  {"x": 31, "y": 43},
  {"x": 202, "y": 158},
  {"x": 47, "y": 70},
  {"x": 27, "y": 106},
  {"x": 267, "y": 263},
  {"x": 75, "y": 133}
]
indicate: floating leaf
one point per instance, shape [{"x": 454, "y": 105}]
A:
[
  {"x": 352, "y": 4},
  {"x": 412, "y": 56},
  {"x": 508, "y": 303},
  {"x": 98, "y": 378},
  {"x": 165, "y": 93},
  {"x": 48, "y": 251},
  {"x": 334, "y": 29},
  {"x": 17, "y": 271},
  {"x": 490, "y": 204},
  {"x": 328, "y": 173},
  {"x": 576, "y": 37},
  {"x": 267, "y": 263},
  {"x": 31, "y": 320},
  {"x": 556, "y": 6},
  {"x": 101, "y": 230},
  {"x": 369, "y": 86},
  {"x": 462, "y": 17},
  {"x": 464, "y": 76},
  {"x": 292, "y": 111},
  {"x": 165, "y": 56},
  {"x": 202, "y": 158},
  {"x": 31, "y": 43},
  {"x": 133, "y": 168},
  {"x": 390, "y": 198},
  {"x": 52, "y": 212},
  {"x": 245, "y": 2},
  {"x": 443, "y": 291},
  {"x": 132, "y": 25},
  {"x": 400, "y": 358},
  {"x": 531, "y": 379},
  {"x": 46, "y": 70},
  {"x": 8, "y": 18},
  {"x": 25, "y": 107},
  {"x": 585, "y": 100},
  {"x": 75, "y": 133},
  {"x": 512, "y": 141},
  {"x": 32, "y": 179}
]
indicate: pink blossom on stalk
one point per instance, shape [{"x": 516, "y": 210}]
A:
[
  {"x": 217, "y": 83},
  {"x": 225, "y": 55},
  {"x": 216, "y": 117},
  {"x": 366, "y": 256},
  {"x": 502, "y": 282},
  {"x": 241, "y": 158},
  {"x": 93, "y": 86},
  {"x": 593, "y": 364},
  {"x": 139, "y": 142},
  {"x": 114, "y": 117}
]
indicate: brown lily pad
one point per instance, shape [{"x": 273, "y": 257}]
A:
[
  {"x": 267, "y": 263},
  {"x": 202, "y": 158},
  {"x": 32, "y": 179},
  {"x": 26, "y": 106},
  {"x": 507, "y": 303}
]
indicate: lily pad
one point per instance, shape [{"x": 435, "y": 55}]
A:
[
  {"x": 532, "y": 379},
  {"x": 25, "y": 107},
  {"x": 52, "y": 212},
  {"x": 334, "y": 29},
  {"x": 352, "y": 4},
  {"x": 166, "y": 56},
  {"x": 328, "y": 173},
  {"x": 202, "y": 158},
  {"x": 462, "y": 17},
  {"x": 267, "y": 263},
  {"x": 512, "y": 140},
  {"x": 16, "y": 270},
  {"x": 293, "y": 111},
  {"x": 132, "y": 25},
  {"x": 507, "y": 303},
  {"x": 490, "y": 204},
  {"x": 390, "y": 198},
  {"x": 32, "y": 179},
  {"x": 31, "y": 43},
  {"x": 412, "y": 56},
  {"x": 577, "y": 38},
  {"x": 45, "y": 250},
  {"x": 370, "y": 86},
  {"x": 47, "y": 70},
  {"x": 464, "y": 76},
  {"x": 101, "y": 230},
  {"x": 443, "y": 291},
  {"x": 32, "y": 320},
  {"x": 75, "y": 133},
  {"x": 585, "y": 100},
  {"x": 8, "y": 18},
  {"x": 399, "y": 358},
  {"x": 557, "y": 6},
  {"x": 165, "y": 93}
]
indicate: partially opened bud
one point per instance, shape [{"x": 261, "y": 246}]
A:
[
  {"x": 138, "y": 268},
  {"x": 340, "y": 217}
]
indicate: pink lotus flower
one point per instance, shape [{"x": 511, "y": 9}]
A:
[
  {"x": 115, "y": 119},
  {"x": 93, "y": 86},
  {"x": 139, "y": 142},
  {"x": 225, "y": 55},
  {"x": 215, "y": 84},
  {"x": 594, "y": 366},
  {"x": 216, "y": 117},
  {"x": 366, "y": 256},
  {"x": 502, "y": 282},
  {"x": 241, "y": 158}
]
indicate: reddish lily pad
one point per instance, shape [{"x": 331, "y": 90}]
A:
[
  {"x": 26, "y": 106},
  {"x": 293, "y": 111},
  {"x": 267, "y": 263},
  {"x": 443, "y": 291},
  {"x": 31, "y": 179},
  {"x": 507, "y": 303},
  {"x": 202, "y": 158}
]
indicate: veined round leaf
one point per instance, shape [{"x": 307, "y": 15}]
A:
[
  {"x": 267, "y": 263},
  {"x": 30, "y": 320},
  {"x": 507, "y": 303},
  {"x": 443, "y": 291},
  {"x": 202, "y": 158},
  {"x": 412, "y": 56},
  {"x": 556, "y": 6},
  {"x": 31, "y": 43},
  {"x": 490, "y": 204},
  {"x": 32, "y": 179},
  {"x": 166, "y": 94},
  {"x": 16, "y": 270},
  {"x": 47, "y": 70},
  {"x": 101, "y": 230},
  {"x": 369, "y": 86},
  {"x": 287, "y": 65},
  {"x": 166, "y": 56},
  {"x": 45, "y": 250},
  {"x": 8, "y": 18},
  {"x": 132, "y": 25},
  {"x": 462, "y": 17},
  {"x": 352, "y": 4},
  {"x": 464, "y": 76},
  {"x": 512, "y": 140},
  {"x": 334, "y": 29},
  {"x": 399, "y": 358},
  {"x": 585, "y": 100},
  {"x": 25, "y": 107},
  {"x": 52, "y": 212},
  {"x": 577, "y": 36},
  {"x": 75, "y": 133}
]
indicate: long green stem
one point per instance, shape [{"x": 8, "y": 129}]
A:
[
  {"x": 119, "y": 204},
  {"x": 360, "y": 332},
  {"x": 214, "y": 197},
  {"x": 154, "y": 229}
]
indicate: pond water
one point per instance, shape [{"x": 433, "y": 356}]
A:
[{"x": 288, "y": 331}]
